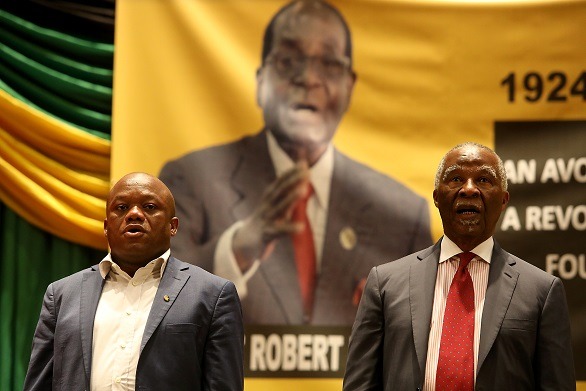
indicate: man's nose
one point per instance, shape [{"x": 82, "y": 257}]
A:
[
  {"x": 469, "y": 188},
  {"x": 311, "y": 73},
  {"x": 134, "y": 213}
]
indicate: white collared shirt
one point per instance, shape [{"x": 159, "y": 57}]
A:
[
  {"x": 119, "y": 323},
  {"x": 448, "y": 265},
  {"x": 321, "y": 173}
]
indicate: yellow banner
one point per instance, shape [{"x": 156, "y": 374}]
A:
[{"x": 431, "y": 74}]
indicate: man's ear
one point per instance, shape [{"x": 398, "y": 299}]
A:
[
  {"x": 174, "y": 226},
  {"x": 506, "y": 198},
  {"x": 106, "y": 227},
  {"x": 353, "y": 78},
  {"x": 350, "y": 87},
  {"x": 435, "y": 198},
  {"x": 259, "y": 81}
]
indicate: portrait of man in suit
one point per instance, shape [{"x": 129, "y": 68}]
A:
[
  {"x": 463, "y": 314},
  {"x": 140, "y": 319},
  {"x": 294, "y": 222}
]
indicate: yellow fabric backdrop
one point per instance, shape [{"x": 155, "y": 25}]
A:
[
  {"x": 53, "y": 174},
  {"x": 429, "y": 77}
]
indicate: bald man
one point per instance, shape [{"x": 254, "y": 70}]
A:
[
  {"x": 463, "y": 314},
  {"x": 140, "y": 319}
]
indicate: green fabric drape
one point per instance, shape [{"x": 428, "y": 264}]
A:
[
  {"x": 61, "y": 75},
  {"x": 55, "y": 124},
  {"x": 30, "y": 259},
  {"x": 55, "y": 57}
]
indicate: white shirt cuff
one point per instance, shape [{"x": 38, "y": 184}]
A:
[{"x": 225, "y": 264}]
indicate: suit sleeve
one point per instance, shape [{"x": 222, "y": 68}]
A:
[
  {"x": 39, "y": 375},
  {"x": 223, "y": 365},
  {"x": 554, "y": 360},
  {"x": 365, "y": 354},
  {"x": 191, "y": 244}
]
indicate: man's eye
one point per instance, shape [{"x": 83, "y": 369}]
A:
[
  {"x": 456, "y": 179},
  {"x": 286, "y": 62},
  {"x": 332, "y": 64},
  {"x": 150, "y": 207},
  {"x": 121, "y": 207}
]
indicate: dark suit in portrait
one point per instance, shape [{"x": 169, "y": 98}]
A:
[{"x": 371, "y": 219}]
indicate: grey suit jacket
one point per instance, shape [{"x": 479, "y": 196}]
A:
[
  {"x": 524, "y": 338},
  {"x": 218, "y": 186},
  {"x": 194, "y": 341}
]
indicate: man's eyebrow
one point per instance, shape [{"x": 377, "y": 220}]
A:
[
  {"x": 289, "y": 43},
  {"x": 486, "y": 168},
  {"x": 490, "y": 170},
  {"x": 293, "y": 44},
  {"x": 449, "y": 170}
]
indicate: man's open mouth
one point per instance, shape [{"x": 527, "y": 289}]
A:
[
  {"x": 467, "y": 210},
  {"x": 134, "y": 229},
  {"x": 305, "y": 106}
]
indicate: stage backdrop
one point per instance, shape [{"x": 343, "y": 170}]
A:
[{"x": 431, "y": 74}]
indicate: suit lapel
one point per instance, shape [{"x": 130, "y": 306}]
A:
[
  {"x": 422, "y": 277},
  {"x": 171, "y": 284},
  {"x": 280, "y": 274},
  {"x": 346, "y": 211},
  {"x": 253, "y": 173},
  {"x": 502, "y": 279},
  {"x": 91, "y": 288},
  {"x": 250, "y": 178}
]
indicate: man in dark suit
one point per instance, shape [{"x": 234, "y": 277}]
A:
[
  {"x": 239, "y": 198},
  {"x": 463, "y": 314},
  {"x": 141, "y": 319}
]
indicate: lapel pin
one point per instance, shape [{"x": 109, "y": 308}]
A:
[
  {"x": 166, "y": 298},
  {"x": 348, "y": 238}
]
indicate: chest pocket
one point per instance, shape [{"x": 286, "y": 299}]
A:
[{"x": 519, "y": 325}]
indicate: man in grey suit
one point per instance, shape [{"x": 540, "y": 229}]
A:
[
  {"x": 433, "y": 321},
  {"x": 141, "y": 319},
  {"x": 238, "y": 198}
]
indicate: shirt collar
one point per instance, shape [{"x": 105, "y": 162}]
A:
[
  {"x": 450, "y": 249},
  {"x": 156, "y": 266},
  {"x": 320, "y": 173}
]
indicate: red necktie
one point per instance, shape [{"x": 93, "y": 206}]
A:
[
  {"x": 305, "y": 255},
  {"x": 455, "y": 367}
]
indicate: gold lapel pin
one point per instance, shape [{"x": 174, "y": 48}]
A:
[
  {"x": 166, "y": 298},
  {"x": 348, "y": 238}
]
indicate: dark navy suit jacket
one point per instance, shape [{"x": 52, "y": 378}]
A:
[
  {"x": 525, "y": 339},
  {"x": 194, "y": 341}
]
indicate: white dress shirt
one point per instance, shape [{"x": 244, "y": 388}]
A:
[
  {"x": 448, "y": 265},
  {"x": 321, "y": 172},
  {"x": 123, "y": 309}
]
